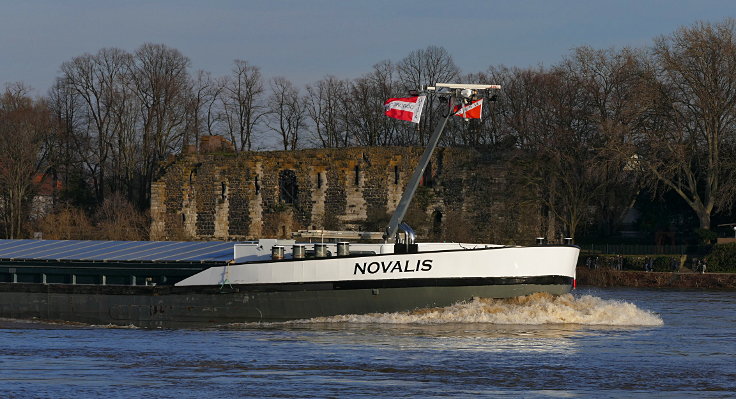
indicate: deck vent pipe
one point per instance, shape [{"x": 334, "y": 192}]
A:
[
  {"x": 277, "y": 252},
  {"x": 299, "y": 251},
  {"x": 320, "y": 250},
  {"x": 410, "y": 236},
  {"x": 343, "y": 248}
]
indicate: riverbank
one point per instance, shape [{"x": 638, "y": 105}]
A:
[{"x": 604, "y": 277}]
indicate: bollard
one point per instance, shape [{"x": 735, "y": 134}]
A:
[
  {"x": 277, "y": 252},
  {"x": 320, "y": 250},
  {"x": 299, "y": 251},
  {"x": 343, "y": 248}
]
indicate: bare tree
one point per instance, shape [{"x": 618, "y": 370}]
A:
[
  {"x": 286, "y": 114},
  {"x": 24, "y": 123},
  {"x": 326, "y": 107},
  {"x": 608, "y": 80},
  {"x": 159, "y": 78},
  {"x": 64, "y": 157},
  {"x": 546, "y": 114},
  {"x": 686, "y": 142},
  {"x": 96, "y": 80},
  {"x": 242, "y": 103},
  {"x": 201, "y": 113},
  {"x": 566, "y": 156}
]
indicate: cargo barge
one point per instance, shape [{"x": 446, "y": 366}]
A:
[{"x": 37, "y": 281}]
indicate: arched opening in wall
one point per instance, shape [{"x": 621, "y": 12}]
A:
[
  {"x": 427, "y": 176},
  {"x": 319, "y": 179},
  {"x": 288, "y": 188},
  {"x": 396, "y": 174},
  {"x": 437, "y": 224},
  {"x": 193, "y": 173},
  {"x": 257, "y": 185},
  {"x": 223, "y": 191},
  {"x": 357, "y": 175}
]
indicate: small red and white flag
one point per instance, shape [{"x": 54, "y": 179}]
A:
[
  {"x": 406, "y": 109},
  {"x": 473, "y": 110}
]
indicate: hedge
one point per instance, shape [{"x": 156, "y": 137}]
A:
[{"x": 722, "y": 259}]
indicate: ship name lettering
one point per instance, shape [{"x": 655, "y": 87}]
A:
[{"x": 393, "y": 266}]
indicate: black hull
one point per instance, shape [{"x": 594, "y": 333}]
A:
[{"x": 170, "y": 306}]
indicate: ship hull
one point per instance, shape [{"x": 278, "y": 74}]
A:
[{"x": 168, "y": 307}]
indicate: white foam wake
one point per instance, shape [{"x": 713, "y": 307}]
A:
[{"x": 535, "y": 309}]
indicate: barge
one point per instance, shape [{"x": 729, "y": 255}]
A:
[{"x": 250, "y": 285}]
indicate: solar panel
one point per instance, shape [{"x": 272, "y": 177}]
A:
[{"x": 93, "y": 250}]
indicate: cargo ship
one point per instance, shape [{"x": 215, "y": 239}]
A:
[
  {"x": 38, "y": 280},
  {"x": 171, "y": 284}
]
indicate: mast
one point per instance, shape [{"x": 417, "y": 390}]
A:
[{"x": 456, "y": 94}]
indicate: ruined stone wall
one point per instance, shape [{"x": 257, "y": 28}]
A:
[{"x": 238, "y": 196}]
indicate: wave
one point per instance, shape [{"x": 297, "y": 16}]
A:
[{"x": 535, "y": 309}]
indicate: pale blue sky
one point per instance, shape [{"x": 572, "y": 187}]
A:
[{"x": 308, "y": 39}]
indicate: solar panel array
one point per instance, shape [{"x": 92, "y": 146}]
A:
[{"x": 144, "y": 251}]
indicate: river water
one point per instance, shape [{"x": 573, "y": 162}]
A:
[{"x": 595, "y": 343}]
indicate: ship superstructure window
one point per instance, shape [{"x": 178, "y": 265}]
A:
[{"x": 288, "y": 187}]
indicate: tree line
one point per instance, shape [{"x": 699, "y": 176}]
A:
[{"x": 586, "y": 134}]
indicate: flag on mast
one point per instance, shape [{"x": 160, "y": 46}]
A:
[
  {"x": 407, "y": 109},
  {"x": 473, "y": 110}
]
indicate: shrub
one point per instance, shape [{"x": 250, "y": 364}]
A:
[
  {"x": 67, "y": 223},
  {"x": 666, "y": 263},
  {"x": 634, "y": 262},
  {"x": 722, "y": 259}
]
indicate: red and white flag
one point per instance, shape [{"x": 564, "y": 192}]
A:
[
  {"x": 473, "y": 110},
  {"x": 406, "y": 109}
]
